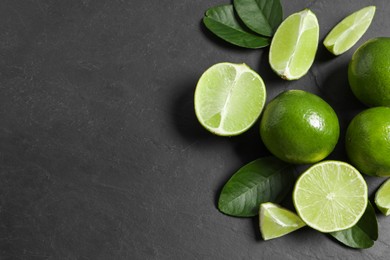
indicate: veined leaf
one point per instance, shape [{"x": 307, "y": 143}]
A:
[
  {"x": 261, "y": 16},
  {"x": 363, "y": 234},
  {"x": 263, "y": 180},
  {"x": 222, "y": 21}
]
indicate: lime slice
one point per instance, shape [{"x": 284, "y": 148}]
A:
[
  {"x": 229, "y": 98},
  {"x": 382, "y": 198},
  {"x": 294, "y": 45},
  {"x": 330, "y": 196},
  {"x": 346, "y": 33},
  {"x": 276, "y": 221}
]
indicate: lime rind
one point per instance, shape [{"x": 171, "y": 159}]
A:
[
  {"x": 275, "y": 221},
  {"x": 330, "y": 196},
  {"x": 348, "y": 32},
  {"x": 382, "y": 198},
  {"x": 229, "y": 98},
  {"x": 294, "y": 45}
]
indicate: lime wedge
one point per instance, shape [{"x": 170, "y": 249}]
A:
[
  {"x": 346, "y": 33},
  {"x": 276, "y": 221},
  {"x": 294, "y": 45},
  {"x": 382, "y": 198},
  {"x": 330, "y": 196},
  {"x": 229, "y": 98}
]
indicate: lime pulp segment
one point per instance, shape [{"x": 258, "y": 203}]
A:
[
  {"x": 276, "y": 221},
  {"x": 382, "y": 198},
  {"x": 229, "y": 98},
  {"x": 330, "y": 196},
  {"x": 346, "y": 33},
  {"x": 294, "y": 45}
]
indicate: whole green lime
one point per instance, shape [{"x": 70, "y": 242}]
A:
[
  {"x": 368, "y": 141},
  {"x": 299, "y": 127},
  {"x": 369, "y": 72}
]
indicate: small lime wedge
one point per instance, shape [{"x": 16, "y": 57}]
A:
[
  {"x": 347, "y": 32},
  {"x": 294, "y": 45},
  {"x": 229, "y": 98},
  {"x": 330, "y": 196},
  {"x": 276, "y": 221},
  {"x": 382, "y": 198}
]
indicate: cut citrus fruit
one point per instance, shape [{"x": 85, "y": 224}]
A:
[
  {"x": 229, "y": 98},
  {"x": 330, "y": 196},
  {"x": 294, "y": 45},
  {"x": 346, "y": 33},
  {"x": 382, "y": 198},
  {"x": 276, "y": 221}
]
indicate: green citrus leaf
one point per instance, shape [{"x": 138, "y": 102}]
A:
[
  {"x": 263, "y": 180},
  {"x": 221, "y": 20},
  {"x": 363, "y": 234},
  {"x": 261, "y": 16}
]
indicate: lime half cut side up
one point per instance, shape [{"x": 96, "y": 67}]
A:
[
  {"x": 294, "y": 45},
  {"x": 382, "y": 198},
  {"x": 229, "y": 98},
  {"x": 276, "y": 221},
  {"x": 347, "y": 32},
  {"x": 330, "y": 196}
]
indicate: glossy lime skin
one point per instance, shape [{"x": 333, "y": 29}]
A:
[
  {"x": 369, "y": 72},
  {"x": 367, "y": 141},
  {"x": 299, "y": 127}
]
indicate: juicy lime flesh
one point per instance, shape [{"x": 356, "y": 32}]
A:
[
  {"x": 368, "y": 72},
  {"x": 276, "y": 221},
  {"x": 346, "y": 33},
  {"x": 382, "y": 198},
  {"x": 294, "y": 45},
  {"x": 229, "y": 98},
  {"x": 299, "y": 127},
  {"x": 330, "y": 196},
  {"x": 368, "y": 141}
]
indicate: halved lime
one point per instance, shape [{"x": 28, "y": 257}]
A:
[
  {"x": 330, "y": 196},
  {"x": 229, "y": 98},
  {"x": 346, "y": 33},
  {"x": 382, "y": 198},
  {"x": 276, "y": 221},
  {"x": 294, "y": 45}
]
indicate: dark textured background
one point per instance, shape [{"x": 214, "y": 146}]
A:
[{"x": 101, "y": 156}]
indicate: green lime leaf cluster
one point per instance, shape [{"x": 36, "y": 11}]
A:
[{"x": 245, "y": 23}]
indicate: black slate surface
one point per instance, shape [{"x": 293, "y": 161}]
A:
[{"x": 101, "y": 156}]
